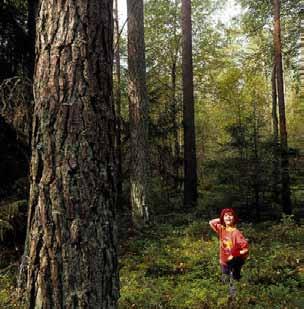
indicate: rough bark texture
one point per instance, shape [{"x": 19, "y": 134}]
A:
[
  {"x": 71, "y": 238},
  {"x": 190, "y": 173},
  {"x": 138, "y": 110},
  {"x": 286, "y": 202}
]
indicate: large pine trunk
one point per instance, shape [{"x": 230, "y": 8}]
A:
[
  {"x": 190, "y": 173},
  {"x": 286, "y": 202},
  {"x": 71, "y": 237},
  {"x": 138, "y": 110}
]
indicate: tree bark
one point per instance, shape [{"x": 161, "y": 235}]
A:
[
  {"x": 286, "y": 202},
  {"x": 71, "y": 236},
  {"x": 138, "y": 110},
  {"x": 190, "y": 173}
]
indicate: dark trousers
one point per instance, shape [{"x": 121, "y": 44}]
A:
[{"x": 233, "y": 267}]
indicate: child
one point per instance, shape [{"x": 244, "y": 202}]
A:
[{"x": 233, "y": 245}]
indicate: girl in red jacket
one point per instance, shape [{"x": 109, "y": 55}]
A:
[{"x": 233, "y": 245}]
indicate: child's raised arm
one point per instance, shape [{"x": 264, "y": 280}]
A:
[{"x": 215, "y": 224}]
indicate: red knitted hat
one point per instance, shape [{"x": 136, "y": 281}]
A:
[{"x": 228, "y": 210}]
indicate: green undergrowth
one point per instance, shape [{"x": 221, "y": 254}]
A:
[
  {"x": 175, "y": 265},
  {"x": 8, "y": 282}
]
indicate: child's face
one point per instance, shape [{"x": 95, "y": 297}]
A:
[{"x": 228, "y": 219}]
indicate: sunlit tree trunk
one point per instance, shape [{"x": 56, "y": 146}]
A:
[
  {"x": 190, "y": 173},
  {"x": 71, "y": 242},
  {"x": 286, "y": 202},
  {"x": 138, "y": 110}
]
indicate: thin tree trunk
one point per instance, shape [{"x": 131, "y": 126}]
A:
[
  {"x": 118, "y": 105},
  {"x": 286, "y": 202},
  {"x": 190, "y": 173},
  {"x": 138, "y": 110},
  {"x": 275, "y": 124},
  {"x": 71, "y": 236}
]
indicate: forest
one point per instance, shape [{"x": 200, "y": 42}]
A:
[{"x": 135, "y": 136}]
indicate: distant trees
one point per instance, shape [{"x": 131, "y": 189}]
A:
[
  {"x": 70, "y": 253},
  {"x": 138, "y": 113},
  {"x": 259, "y": 17},
  {"x": 285, "y": 193},
  {"x": 163, "y": 53},
  {"x": 14, "y": 41}
]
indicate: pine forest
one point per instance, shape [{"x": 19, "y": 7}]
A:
[{"x": 151, "y": 154}]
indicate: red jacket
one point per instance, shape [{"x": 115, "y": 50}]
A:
[{"x": 231, "y": 242}]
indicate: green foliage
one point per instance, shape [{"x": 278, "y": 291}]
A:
[
  {"x": 176, "y": 266},
  {"x": 8, "y": 282}
]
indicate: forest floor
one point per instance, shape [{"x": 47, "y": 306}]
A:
[{"x": 175, "y": 265}]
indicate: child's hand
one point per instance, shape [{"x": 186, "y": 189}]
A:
[
  {"x": 230, "y": 257},
  {"x": 243, "y": 251}
]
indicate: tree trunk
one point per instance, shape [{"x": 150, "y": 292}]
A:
[
  {"x": 71, "y": 237},
  {"x": 286, "y": 202},
  {"x": 138, "y": 110},
  {"x": 118, "y": 106},
  {"x": 275, "y": 123},
  {"x": 190, "y": 173}
]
